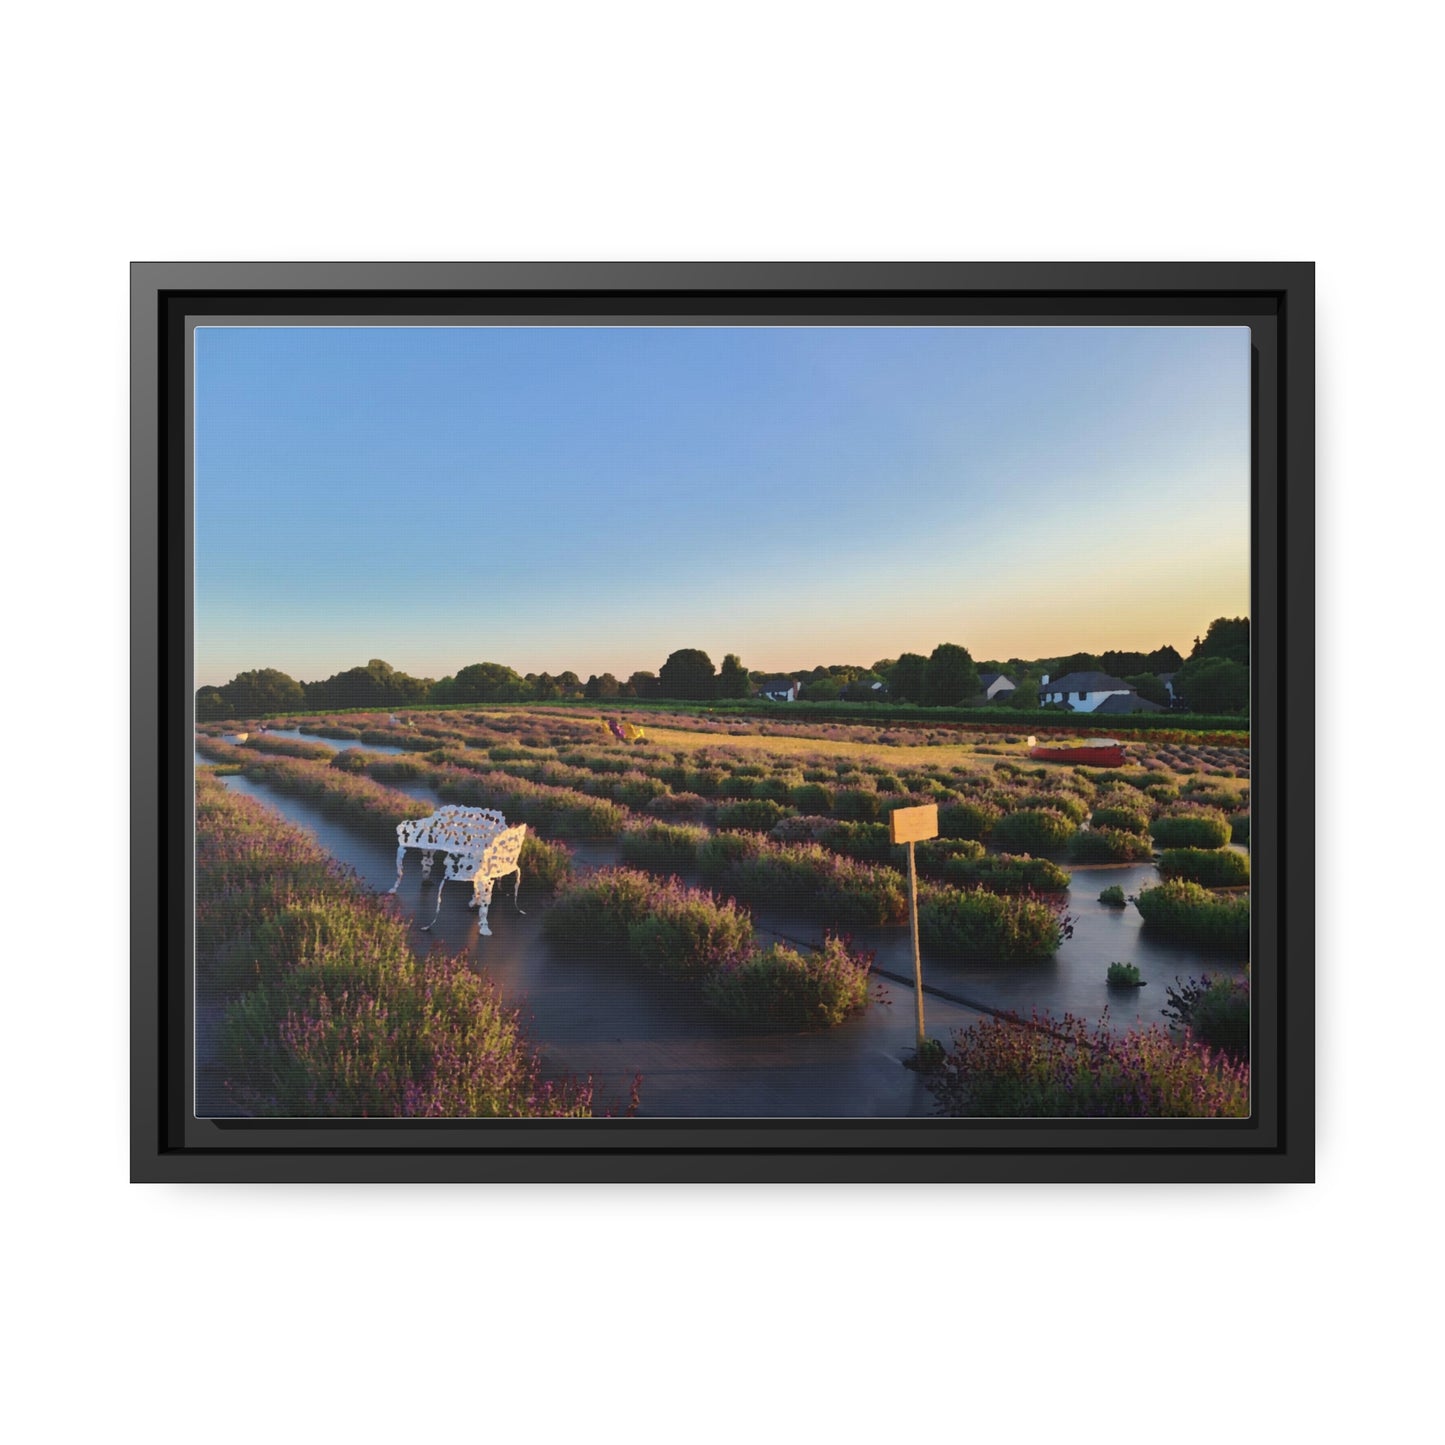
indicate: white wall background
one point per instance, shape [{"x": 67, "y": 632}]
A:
[{"x": 709, "y": 131}]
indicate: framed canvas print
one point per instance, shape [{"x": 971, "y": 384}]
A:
[{"x": 710, "y": 722}]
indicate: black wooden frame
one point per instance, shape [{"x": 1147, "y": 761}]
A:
[{"x": 1277, "y": 1143}]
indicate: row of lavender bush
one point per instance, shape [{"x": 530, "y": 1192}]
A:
[
  {"x": 960, "y": 861},
  {"x": 708, "y": 945},
  {"x": 330, "y": 1011},
  {"x": 1047, "y": 1068},
  {"x": 855, "y": 788},
  {"x": 1179, "y": 908}
]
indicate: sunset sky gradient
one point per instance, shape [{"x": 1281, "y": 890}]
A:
[{"x": 594, "y": 498}]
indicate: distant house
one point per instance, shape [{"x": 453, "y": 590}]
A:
[
  {"x": 779, "y": 689},
  {"x": 1117, "y": 703},
  {"x": 997, "y": 686},
  {"x": 1082, "y": 691}
]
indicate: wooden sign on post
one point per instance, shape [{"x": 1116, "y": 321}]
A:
[{"x": 913, "y": 825}]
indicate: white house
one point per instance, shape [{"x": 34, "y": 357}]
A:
[
  {"x": 779, "y": 689},
  {"x": 1082, "y": 691},
  {"x": 996, "y": 686}
]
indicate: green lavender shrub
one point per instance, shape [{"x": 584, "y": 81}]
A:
[{"x": 1213, "y": 867}]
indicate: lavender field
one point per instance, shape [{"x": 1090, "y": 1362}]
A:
[{"x": 716, "y": 924}]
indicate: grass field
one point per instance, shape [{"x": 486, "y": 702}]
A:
[{"x": 898, "y": 756}]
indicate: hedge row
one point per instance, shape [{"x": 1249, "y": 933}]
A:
[{"x": 1180, "y": 727}]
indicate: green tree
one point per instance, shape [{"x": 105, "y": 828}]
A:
[
  {"x": 483, "y": 682},
  {"x": 643, "y": 684},
  {"x": 355, "y": 687},
  {"x": 1121, "y": 664},
  {"x": 1077, "y": 662},
  {"x": 211, "y": 705},
  {"x": 397, "y": 688},
  {"x": 604, "y": 686},
  {"x": 1163, "y": 659},
  {"x": 950, "y": 678},
  {"x": 376, "y": 685},
  {"x": 861, "y": 689},
  {"x": 1148, "y": 686},
  {"x": 250, "y": 694},
  {"x": 1025, "y": 695},
  {"x": 1215, "y": 684},
  {"x": 1228, "y": 637},
  {"x": 1204, "y": 686},
  {"x": 822, "y": 689},
  {"x": 905, "y": 682},
  {"x": 732, "y": 680},
  {"x": 687, "y": 673}
]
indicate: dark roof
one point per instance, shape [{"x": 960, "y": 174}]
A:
[
  {"x": 777, "y": 684},
  {"x": 989, "y": 678},
  {"x": 1131, "y": 702},
  {"x": 1084, "y": 682}
]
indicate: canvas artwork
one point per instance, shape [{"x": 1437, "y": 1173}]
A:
[{"x": 721, "y": 721}]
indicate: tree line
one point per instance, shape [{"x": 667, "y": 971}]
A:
[{"x": 1213, "y": 679}]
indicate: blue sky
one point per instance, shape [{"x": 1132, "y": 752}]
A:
[{"x": 595, "y": 497}]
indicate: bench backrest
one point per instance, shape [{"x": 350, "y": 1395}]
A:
[
  {"x": 453, "y": 830},
  {"x": 504, "y": 851}
]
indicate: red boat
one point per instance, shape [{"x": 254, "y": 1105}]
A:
[{"x": 1096, "y": 753}]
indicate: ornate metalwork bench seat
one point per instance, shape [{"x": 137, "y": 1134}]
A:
[{"x": 479, "y": 848}]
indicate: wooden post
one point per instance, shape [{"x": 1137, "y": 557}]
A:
[
  {"x": 917, "y": 955},
  {"x": 909, "y": 825}
]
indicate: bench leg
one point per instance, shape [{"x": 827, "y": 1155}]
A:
[
  {"x": 400, "y": 864},
  {"x": 484, "y": 901},
  {"x": 426, "y": 928},
  {"x": 517, "y": 894}
]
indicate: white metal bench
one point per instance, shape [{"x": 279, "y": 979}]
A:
[{"x": 479, "y": 848}]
